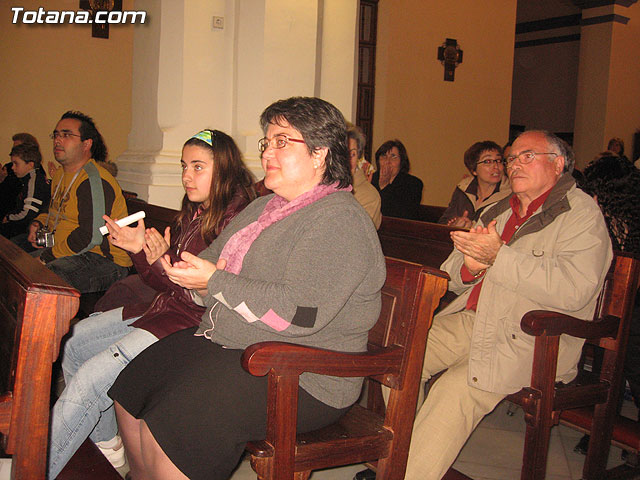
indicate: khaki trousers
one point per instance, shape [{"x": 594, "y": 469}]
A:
[{"x": 452, "y": 409}]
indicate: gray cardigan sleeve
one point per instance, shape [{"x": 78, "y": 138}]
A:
[{"x": 322, "y": 268}]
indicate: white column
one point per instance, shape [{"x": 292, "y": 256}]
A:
[
  {"x": 182, "y": 83},
  {"x": 339, "y": 54},
  {"x": 188, "y": 76}
]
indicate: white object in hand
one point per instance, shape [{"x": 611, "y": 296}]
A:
[{"x": 123, "y": 222}]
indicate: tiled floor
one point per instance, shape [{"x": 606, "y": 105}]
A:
[{"x": 494, "y": 452}]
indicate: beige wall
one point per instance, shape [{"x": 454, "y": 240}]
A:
[
  {"x": 437, "y": 120},
  {"x": 48, "y": 69}
]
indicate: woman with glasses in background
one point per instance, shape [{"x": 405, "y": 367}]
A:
[
  {"x": 400, "y": 192},
  {"x": 486, "y": 185}
]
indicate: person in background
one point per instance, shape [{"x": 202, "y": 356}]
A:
[
  {"x": 487, "y": 185},
  {"x": 10, "y": 187},
  {"x": 506, "y": 149},
  {"x": 10, "y": 184},
  {"x": 616, "y": 145},
  {"x": 357, "y": 143},
  {"x": 23, "y": 137},
  {"x": 400, "y": 192},
  {"x": 82, "y": 192},
  {"x": 35, "y": 193},
  {"x": 217, "y": 187},
  {"x": 365, "y": 193},
  {"x": 303, "y": 265}
]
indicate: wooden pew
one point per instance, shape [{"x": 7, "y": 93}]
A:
[
  {"x": 431, "y": 213},
  {"x": 35, "y": 309},
  {"x": 156, "y": 216},
  {"x": 420, "y": 242}
]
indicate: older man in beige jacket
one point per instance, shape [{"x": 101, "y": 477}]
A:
[{"x": 545, "y": 247}]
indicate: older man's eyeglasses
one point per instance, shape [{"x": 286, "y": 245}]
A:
[
  {"x": 278, "y": 141},
  {"x": 526, "y": 157},
  {"x": 63, "y": 134}
]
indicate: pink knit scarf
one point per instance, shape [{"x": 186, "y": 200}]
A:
[{"x": 276, "y": 209}]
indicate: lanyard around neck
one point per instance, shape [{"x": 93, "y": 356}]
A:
[{"x": 66, "y": 192}]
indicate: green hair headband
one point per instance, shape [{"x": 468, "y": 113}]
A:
[{"x": 206, "y": 136}]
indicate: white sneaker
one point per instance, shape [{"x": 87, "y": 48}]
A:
[{"x": 114, "y": 451}]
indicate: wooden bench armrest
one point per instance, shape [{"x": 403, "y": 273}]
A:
[
  {"x": 290, "y": 359},
  {"x": 542, "y": 322}
]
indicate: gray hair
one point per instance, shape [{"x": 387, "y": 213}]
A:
[
  {"x": 354, "y": 132},
  {"x": 559, "y": 146}
]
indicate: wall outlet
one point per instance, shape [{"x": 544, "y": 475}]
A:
[{"x": 218, "y": 23}]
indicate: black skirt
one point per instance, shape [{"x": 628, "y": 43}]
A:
[{"x": 201, "y": 406}]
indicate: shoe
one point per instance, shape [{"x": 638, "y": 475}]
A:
[
  {"x": 114, "y": 451},
  {"x": 582, "y": 446},
  {"x": 367, "y": 474}
]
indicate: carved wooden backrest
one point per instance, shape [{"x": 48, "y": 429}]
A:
[
  {"x": 35, "y": 309},
  {"x": 618, "y": 295},
  {"x": 404, "y": 303}
]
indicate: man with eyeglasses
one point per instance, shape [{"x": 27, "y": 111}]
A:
[
  {"x": 545, "y": 247},
  {"x": 67, "y": 238}
]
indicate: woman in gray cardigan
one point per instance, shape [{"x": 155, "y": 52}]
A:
[{"x": 290, "y": 267}]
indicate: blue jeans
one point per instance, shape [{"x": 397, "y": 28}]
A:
[
  {"x": 88, "y": 272},
  {"x": 93, "y": 357}
]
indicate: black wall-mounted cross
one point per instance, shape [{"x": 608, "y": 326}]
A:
[{"x": 450, "y": 56}]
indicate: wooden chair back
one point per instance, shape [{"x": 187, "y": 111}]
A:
[
  {"x": 616, "y": 301},
  {"x": 155, "y": 215},
  {"x": 35, "y": 309},
  {"x": 415, "y": 241},
  {"x": 394, "y": 357},
  {"x": 544, "y": 401},
  {"x": 431, "y": 213}
]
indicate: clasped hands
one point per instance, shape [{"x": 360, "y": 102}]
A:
[
  {"x": 479, "y": 246},
  {"x": 191, "y": 272}
]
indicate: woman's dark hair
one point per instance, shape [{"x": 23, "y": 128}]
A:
[
  {"x": 472, "y": 155},
  {"x": 388, "y": 145},
  {"x": 616, "y": 183},
  {"x": 229, "y": 174},
  {"x": 88, "y": 130},
  {"x": 321, "y": 126}
]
